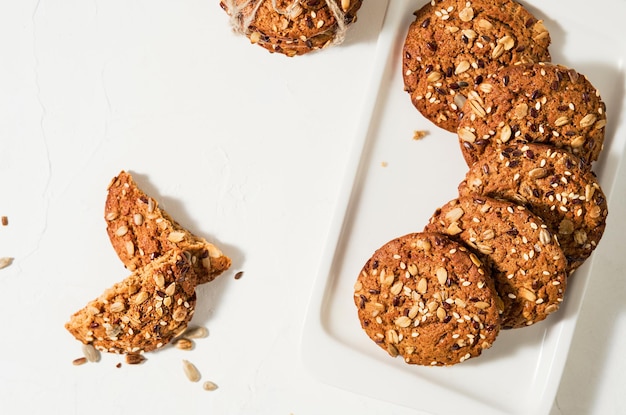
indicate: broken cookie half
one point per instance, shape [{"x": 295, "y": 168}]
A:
[
  {"x": 140, "y": 231},
  {"x": 143, "y": 312}
]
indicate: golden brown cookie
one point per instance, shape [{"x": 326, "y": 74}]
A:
[
  {"x": 454, "y": 46},
  {"x": 542, "y": 103},
  {"x": 140, "y": 231},
  {"x": 553, "y": 184},
  {"x": 292, "y": 27},
  {"x": 143, "y": 312},
  {"x": 526, "y": 262},
  {"x": 428, "y": 299}
]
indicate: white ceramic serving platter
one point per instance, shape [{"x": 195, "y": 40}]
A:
[{"x": 392, "y": 186}]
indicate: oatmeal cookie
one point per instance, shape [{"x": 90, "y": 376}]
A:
[
  {"x": 140, "y": 231},
  {"x": 542, "y": 103},
  {"x": 526, "y": 262},
  {"x": 428, "y": 299},
  {"x": 454, "y": 46},
  {"x": 292, "y": 27},
  {"x": 553, "y": 184}
]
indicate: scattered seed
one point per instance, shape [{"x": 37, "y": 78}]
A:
[
  {"x": 184, "y": 344},
  {"x": 208, "y": 385},
  {"x": 191, "y": 371},
  {"x": 134, "y": 358},
  {"x": 239, "y": 275},
  {"x": 79, "y": 361},
  {"x": 91, "y": 353},
  {"x": 5, "y": 262}
]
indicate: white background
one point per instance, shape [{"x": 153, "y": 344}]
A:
[{"x": 246, "y": 149}]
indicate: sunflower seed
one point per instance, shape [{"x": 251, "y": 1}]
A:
[
  {"x": 196, "y": 333},
  {"x": 191, "y": 371},
  {"x": 176, "y": 236},
  {"x": 208, "y": 385},
  {"x": 134, "y": 358},
  {"x": 184, "y": 344},
  {"x": 5, "y": 262},
  {"x": 91, "y": 353},
  {"x": 587, "y": 120}
]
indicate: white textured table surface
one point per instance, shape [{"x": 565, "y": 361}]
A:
[{"x": 244, "y": 148}]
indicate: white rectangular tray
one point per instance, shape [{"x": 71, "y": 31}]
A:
[{"x": 392, "y": 186}]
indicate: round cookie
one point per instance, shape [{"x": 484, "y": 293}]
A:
[
  {"x": 526, "y": 262},
  {"x": 553, "y": 184},
  {"x": 428, "y": 299},
  {"x": 541, "y": 102},
  {"x": 292, "y": 27},
  {"x": 453, "y": 46}
]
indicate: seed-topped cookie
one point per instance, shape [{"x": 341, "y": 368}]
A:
[
  {"x": 552, "y": 183},
  {"x": 428, "y": 299},
  {"x": 141, "y": 231},
  {"x": 541, "y": 102},
  {"x": 143, "y": 312},
  {"x": 454, "y": 46},
  {"x": 292, "y": 27},
  {"x": 526, "y": 262}
]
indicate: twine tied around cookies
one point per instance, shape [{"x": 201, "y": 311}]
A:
[{"x": 243, "y": 13}]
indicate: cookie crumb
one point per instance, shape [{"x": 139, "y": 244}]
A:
[
  {"x": 118, "y": 365},
  {"x": 239, "y": 275},
  {"x": 5, "y": 220},
  {"x": 419, "y": 134},
  {"x": 384, "y": 164}
]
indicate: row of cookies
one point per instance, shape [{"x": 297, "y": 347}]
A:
[
  {"x": 155, "y": 303},
  {"x": 529, "y": 211}
]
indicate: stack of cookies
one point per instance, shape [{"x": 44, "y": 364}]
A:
[
  {"x": 292, "y": 27},
  {"x": 155, "y": 303},
  {"x": 530, "y": 210}
]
